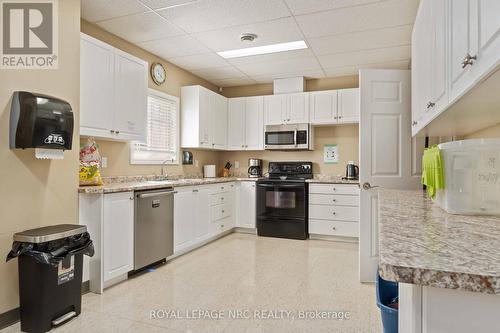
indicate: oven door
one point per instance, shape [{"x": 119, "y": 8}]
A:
[{"x": 281, "y": 200}]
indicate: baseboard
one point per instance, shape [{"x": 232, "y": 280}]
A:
[
  {"x": 252, "y": 231},
  {"x": 334, "y": 238},
  {"x": 9, "y": 318}
]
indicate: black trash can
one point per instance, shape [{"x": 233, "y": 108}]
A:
[{"x": 50, "y": 274}]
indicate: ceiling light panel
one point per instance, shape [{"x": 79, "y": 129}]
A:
[{"x": 266, "y": 49}]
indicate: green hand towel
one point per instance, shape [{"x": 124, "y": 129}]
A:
[{"x": 432, "y": 170}]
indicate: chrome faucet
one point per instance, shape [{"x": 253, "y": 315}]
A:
[{"x": 162, "y": 173}]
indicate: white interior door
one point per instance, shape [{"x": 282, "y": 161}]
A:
[{"x": 385, "y": 152}]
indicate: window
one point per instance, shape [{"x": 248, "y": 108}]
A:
[{"x": 162, "y": 142}]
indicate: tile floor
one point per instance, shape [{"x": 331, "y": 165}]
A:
[{"x": 239, "y": 272}]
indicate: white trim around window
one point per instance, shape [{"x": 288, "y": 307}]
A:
[{"x": 162, "y": 133}]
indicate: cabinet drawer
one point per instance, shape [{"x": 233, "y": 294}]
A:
[
  {"x": 222, "y": 187},
  {"x": 220, "y": 198},
  {"x": 220, "y": 211},
  {"x": 334, "y": 200},
  {"x": 334, "y": 228},
  {"x": 334, "y": 189},
  {"x": 338, "y": 213}
]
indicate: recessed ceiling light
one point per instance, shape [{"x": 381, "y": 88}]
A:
[{"x": 273, "y": 48}]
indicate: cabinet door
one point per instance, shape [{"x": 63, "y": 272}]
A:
[
  {"x": 131, "y": 91},
  {"x": 202, "y": 218},
  {"x": 96, "y": 86},
  {"x": 246, "y": 205},
  {"x": 118, "y": 238},
  {"x": 323, "y": 107},
  {"x": 348, "y": 105},
  {"x": 297, "y": 108},
  {"x": 274, "y": 109},
  {"x": 206, "y": 118},
  {"x": 438, "y": 70},
  {"x": 254, "y": 123},
  {"x": 236, "y": 123},
  {"x": 184, "y": 218},
  {"x": 219, "y": 123}
]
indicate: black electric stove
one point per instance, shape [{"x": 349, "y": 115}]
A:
[{"x": 282, "y": 200}]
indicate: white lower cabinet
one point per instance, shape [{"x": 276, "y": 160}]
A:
[
  {"x": 334, "y": 210},
  {"x": 118, "y": 234},
  {"x": 200, "y": 213},
  {"x": 246, "y": 198}
]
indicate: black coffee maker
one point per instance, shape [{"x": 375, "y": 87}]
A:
[{"x": 352, "y": 171}]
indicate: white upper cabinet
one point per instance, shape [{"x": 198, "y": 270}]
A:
[
  {"x": 203, "y": 118},
  {"x": 113, "y": 92},
  {"x": 236, "y": 123},
  {"x": 274, "y": 109},
  {"x": 348, "y": 106},
  {"x": 455, "y": 44},
  {"x": 245, "y": 126},
  {"x": 286, "y": 109},
  {"x": 323, "y": 109}
]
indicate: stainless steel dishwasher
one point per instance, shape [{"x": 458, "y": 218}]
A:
[{"x": 153, "y": 226}]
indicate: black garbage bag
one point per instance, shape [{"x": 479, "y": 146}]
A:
[{"x": 53, "y": 252}]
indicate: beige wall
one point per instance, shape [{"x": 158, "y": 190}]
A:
[
  {"x": 34, "y": 192},
  {"x": 118, "y": 152},
  {"x": 490, "y": 132},
  {"x": 345, "y": 136}
]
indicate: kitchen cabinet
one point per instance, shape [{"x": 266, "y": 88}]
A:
[
  {"x": 246, "y": 205},
  {"x": 113, "y": 92},
  {"x": 286, "y": 109},
  {"x": 118, "y": 235},
  {"x": 455, "y": 44},
  {"x": 334, "y": 107},
  {"x": 184, "y": 218},
  {"x": 334, "y": 210},
  {"x": 221, "y": 210},
  {"x": 203, "y": 118},
  {"x": 245, "y": 123}
]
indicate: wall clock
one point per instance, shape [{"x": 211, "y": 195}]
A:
[{"x": 158, "y": 73}]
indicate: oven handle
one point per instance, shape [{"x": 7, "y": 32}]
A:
[{"x": 282, "y": 185}]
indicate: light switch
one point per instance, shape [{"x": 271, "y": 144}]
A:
[
  {"x": 196, "y": 163},
  {"x": 236, "y": 164},
  {"x": 104, "y": 162}
]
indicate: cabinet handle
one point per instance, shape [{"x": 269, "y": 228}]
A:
[
  {"x": 334, "y": 213},
  {"x": 334, "y": 200},
  {"x": 253, "y": 185},
  {"x": 333, "y": 228},
  {"x": 335, "y": 189},
  {"x": 131, "y": 198},
  {"x": 195, "y": 190},
  {"x": 430, "y": 105},
  {"x": 242, "y": 146},
  {"x": 222, "y": 187},
  {"x": 335, "y": 117},
  {"x": 222, "y": 198},
  {"x": 468, "y": 60},
  {"x": 112, "y": 131},
  {"x": 117, "y": 132},
  {"x": 223, "y": 211},
  {"x": 340, "y": 117},
  {"x": 414, "y": 122}
]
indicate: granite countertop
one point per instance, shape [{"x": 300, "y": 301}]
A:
[
  {"x": 137, "y": 183},
  {"x": 422, "y": 244},
  {"x": 328, "y": 179}
]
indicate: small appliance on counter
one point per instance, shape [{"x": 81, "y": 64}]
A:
[
  {"x": 209, "y": 171},
  {"x": 282, "y": 200},
  {"x": 254, "y": 168},
  {"x": 187, "y": 157},
  {"x": 41, "y": 122},
  {"x": 352, "y": 171}
]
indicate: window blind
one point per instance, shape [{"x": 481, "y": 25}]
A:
[{"x": 162, "y": 131}]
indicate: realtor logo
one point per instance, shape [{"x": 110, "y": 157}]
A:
[{"x": 28, "y": 34}]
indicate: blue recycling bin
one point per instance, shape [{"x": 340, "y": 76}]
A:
[{"x": 387, "y": 291}]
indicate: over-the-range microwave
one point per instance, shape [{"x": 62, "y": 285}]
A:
[{"x": 289, "y": 137}]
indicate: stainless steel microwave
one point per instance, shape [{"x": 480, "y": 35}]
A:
[{"x": 288, "y": 137}]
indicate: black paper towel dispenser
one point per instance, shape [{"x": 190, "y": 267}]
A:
[{"x": 40, "y": 121}]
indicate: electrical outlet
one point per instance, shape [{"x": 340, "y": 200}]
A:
[
  {"x": 196, "y": 163},
  {"x": 236, "y": 164},
  {"x": 104, "y": 162}
]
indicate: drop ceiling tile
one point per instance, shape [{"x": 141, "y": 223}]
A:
[
  {"x": 354, "y": 70},
  {"x": 269, "y": 32},
  {"x": 361, "y": 18},
  {"x": 365, "y": 40},
  {"x": 152, "y": 27},
  {"x": 217, "y": 73},
  {"x": 298, "y": 7},
  {"x": 281, "y": 66},
  {"x": 242, "y": 81},
  {"x": 160, "y": 4},
  {"x": 208, "y": 15},
  {"x": 365, "y": 57},
  {"x": 98, "y": 10},
  {"x": 199, "y": 61},
  {"x": 271, "y": 57},
  {"x": 174, "y": 47}
]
